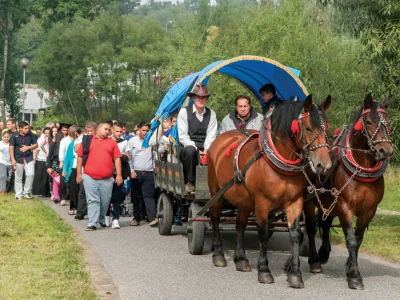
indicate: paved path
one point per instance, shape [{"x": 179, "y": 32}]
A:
[{"x": 145, "y": 265}]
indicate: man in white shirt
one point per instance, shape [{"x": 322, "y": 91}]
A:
[
  {"x": 197, "y": 129},
  {"x": 142, "y": 178}
]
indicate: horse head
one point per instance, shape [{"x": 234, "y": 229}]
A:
[
  {"x": 372, "y": 121},
  {"x": 311, "y": 136}
]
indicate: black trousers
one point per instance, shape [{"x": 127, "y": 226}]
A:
[
  {"x": 63, "y": 189},
  {"x": 81, "y": 210},
  {"x": 73, "y": 190},
  {"x": 142, "y": 189},
  {"x": 189, "y": 158},
  {"x": 40, "y": 184}
]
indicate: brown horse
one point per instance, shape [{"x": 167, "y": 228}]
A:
[
  {"x": 265, "y": 188},
  {"x": 360, "y": 159}
]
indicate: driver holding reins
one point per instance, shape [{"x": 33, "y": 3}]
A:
[{"x": 197, "y": 129}]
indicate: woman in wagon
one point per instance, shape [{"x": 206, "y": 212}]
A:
[
  {"x": 268, "y": 92},
  {"x": 244, "y": 116},
  {"x": 197, "y": 129}
]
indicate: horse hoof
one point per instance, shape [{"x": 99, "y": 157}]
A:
[
  {"x": 323, "y": 256},
  {"x": 355, "y": 283},
  {"x": 315, "y": 268},
  {"x": 264, "y": 277},
  {"x": 243, "y": 266},
  {"x": 219, "y": 261},
  {"x": 295, "y": 281}
]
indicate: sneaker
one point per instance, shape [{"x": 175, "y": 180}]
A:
[
  {"x": 154, "y": 222},
  {"x": 77, "y": 217},
  {"x": 115, "y": 224},
  {"x": 189, "y": 187},
  {"x": 63, "y": 202},
  {"x": 56, "y": 201},
  {"x": 108, "y": 220},
  {"x": 18, "y": 198},
  {"x": 27, "y": 196},
  {"x": 103, "y": 225},
  {"x": 91, "y": 228}
]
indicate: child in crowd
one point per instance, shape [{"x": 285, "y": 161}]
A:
[{"x": 5, "y": 162}]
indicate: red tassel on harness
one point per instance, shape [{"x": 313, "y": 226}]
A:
[
  {"x": 295, "y": 127},
  {"x": 358, "y": 126},
  {"x": 336, "y": 131},
  {"x": 230, "y": 148},
  {"x": 389, "y": 129}
]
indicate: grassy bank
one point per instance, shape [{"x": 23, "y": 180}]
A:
[
  {"x": 391, "y": 199},
  {"x": 40, "y": 256},
  {"x": 382, "y": 237}
]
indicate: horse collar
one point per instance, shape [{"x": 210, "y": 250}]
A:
[
  {"x": 350, "y": 165},
  {"x": 272, "y": 156}
]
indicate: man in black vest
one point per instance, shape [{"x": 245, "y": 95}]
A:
[{"x": 197, "y": 129}]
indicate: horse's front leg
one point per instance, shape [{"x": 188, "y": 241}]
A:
[
  {"x": 218, "y": 255},
  {"x": 292, "y": 267},
  {"x": 309, "y": 211},
  {"x": 264, "y": 274},
  {"x": 354, "y": 279},
  {"x": 242, "y": 263},
  {"x": 325, "y": 249}
]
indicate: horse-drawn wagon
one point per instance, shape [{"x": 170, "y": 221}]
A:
[
  {"x": 174, "y": 204},
  {"x": 292, "y": 139}
]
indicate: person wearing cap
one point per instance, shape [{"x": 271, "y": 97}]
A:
[
  {"x": 268, "y": 92},
  {"x": 244, "y": 116},
  {"x": 197, "y": 129}
]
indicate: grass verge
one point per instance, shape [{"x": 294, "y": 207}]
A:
[
  {"x": 40, "y": 255},
  {"x": 391, "y": 200},
  {"x": 382, "y": 237}
]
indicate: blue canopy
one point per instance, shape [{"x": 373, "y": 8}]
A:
[{"x": 252, "y": 71}]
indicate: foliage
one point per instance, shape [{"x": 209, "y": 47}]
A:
[{"x": 377, "y": 24}]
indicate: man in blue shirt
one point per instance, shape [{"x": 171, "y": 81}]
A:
[{"x": 21, "y": 146}]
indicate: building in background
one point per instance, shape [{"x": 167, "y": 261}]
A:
[{"x": 35, "y": 100}]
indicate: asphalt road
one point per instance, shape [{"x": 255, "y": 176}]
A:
[{"x": 145, "y": 265}]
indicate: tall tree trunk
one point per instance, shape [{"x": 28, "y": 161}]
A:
[{"x": 3, "y": 78}]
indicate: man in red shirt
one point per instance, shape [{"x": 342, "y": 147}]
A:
[{"x": 97, "y": 174}]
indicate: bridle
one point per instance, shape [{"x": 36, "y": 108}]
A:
[
  {"x": 322, "y": 129},
  {"x": 382, "y": 122}
]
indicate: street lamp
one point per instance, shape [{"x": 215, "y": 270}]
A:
[
  {"x": 24, "y": 64},
  {"x": 166, "y": 25}
]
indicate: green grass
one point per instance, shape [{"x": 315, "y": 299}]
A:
[
  {"x": 40, "y": 255},
  {"x": 382, "y": 238},
  {"x": 391, "y": 199}
]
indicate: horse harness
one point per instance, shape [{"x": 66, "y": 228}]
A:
[
  {"x": 268, "y": 151},
  {"x": 346, "y": 159}
]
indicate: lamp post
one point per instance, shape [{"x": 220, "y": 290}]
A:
[
  {"x": 166, "y": 25},
  {"x": 24, "y": 64}
]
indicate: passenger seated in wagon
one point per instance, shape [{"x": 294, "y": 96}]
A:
[
  {"x": 268, "y": 92},
  {"x": 244, "y": 116},
  {"x": 197, "y": 129}
]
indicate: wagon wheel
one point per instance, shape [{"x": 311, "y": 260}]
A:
[
  {"x": 165, "y": 211},
  {"x": 195, "y": 231},
  {"x": 303, "y": 247}
]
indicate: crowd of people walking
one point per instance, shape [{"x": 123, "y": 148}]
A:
[{"x": 90, "y": 168}]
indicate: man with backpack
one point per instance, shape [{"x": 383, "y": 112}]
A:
[{"x": 98, "y": 160}]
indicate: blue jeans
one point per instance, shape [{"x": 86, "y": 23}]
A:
[
  {"x": 98, "y": 196},
  {"x": 4, "y": 171}
]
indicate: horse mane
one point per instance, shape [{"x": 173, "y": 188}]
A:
[
  {"x": 284, "y": 114},
  {"x": 374, "y": 112}
]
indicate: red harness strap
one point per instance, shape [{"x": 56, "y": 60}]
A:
[{"x": 351, "y": 159}]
